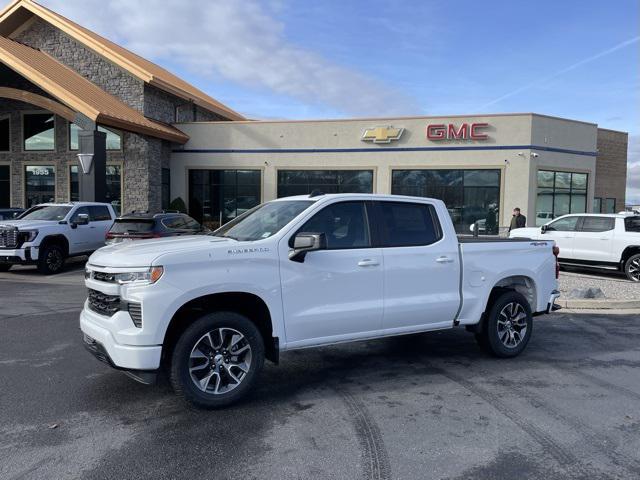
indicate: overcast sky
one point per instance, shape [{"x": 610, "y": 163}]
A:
[{"x": 298, "y": 59}]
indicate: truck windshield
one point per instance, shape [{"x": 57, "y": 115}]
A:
[
  {"x": 262, "y": 221},
  {"x": 51, "y": 212}
]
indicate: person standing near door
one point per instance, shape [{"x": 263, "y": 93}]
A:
[{"x": 517, "y": 220}]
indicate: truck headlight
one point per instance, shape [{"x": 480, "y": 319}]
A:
[
  {"x": 28, "y": 235},
  {"x": 146, "y": 277}
]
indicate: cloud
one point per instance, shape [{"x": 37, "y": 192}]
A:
[
  {"x": 241, "y": 42},
  {"x": 633, "y": 171}
]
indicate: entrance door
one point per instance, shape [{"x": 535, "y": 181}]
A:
[
  {"x": 335, "y": 294},
  {"x": 5, "y": 178}
]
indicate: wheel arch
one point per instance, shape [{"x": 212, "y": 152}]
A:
[
  {"x": 523, "y": 284},
  {"x": 57, "y": 239},
  {"x": 628, "y": 252},
  {"x": 248, "y": 304}
]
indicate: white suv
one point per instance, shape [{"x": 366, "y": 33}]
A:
[{"x": 608, "y": 241}]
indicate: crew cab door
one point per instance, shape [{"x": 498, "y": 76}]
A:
[
  {"x": 80, "y": 236},
  {"x": 421, "y": 266},
  {"x": 101, "y": 221},
  {"x": 336, "y": 293},
  {"x": 563, "y": 231},
  {"x": 594, "y": 239}
]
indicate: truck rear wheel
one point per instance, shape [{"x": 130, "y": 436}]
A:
[
  {"x": 632, "y": 268},
  {"x": 51, "y": 259},
  {"x": 5, "y": 267},
  {"x": 508, "y": 326},
  {"x": 217, "y": 359}
]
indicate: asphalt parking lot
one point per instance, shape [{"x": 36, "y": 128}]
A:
[{"x": 426, "y": 406}]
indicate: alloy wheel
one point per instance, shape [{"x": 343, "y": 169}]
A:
[
  {"x": 220, "y": 361},
  {"x": 633, "y": 270},
  {"x": 54, "y": 260},
  {"x": 512, "y": 324}
]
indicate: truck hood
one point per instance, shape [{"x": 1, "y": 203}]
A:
[
  {"x": 29, "y": 224},
  {"x": 142, "y": 253},
  {"x": 527, "y": 232}
]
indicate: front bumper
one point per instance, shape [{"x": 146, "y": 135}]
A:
[
  {"x": 100, "y": 352},
  {"x": 124, "y": 357},
  {"x": 24, "y": 255}
]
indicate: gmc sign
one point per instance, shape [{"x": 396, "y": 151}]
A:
[{"x": 466, "y": 131}]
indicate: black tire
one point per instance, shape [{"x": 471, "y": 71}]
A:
[
  {"x": 51, "y": 259},
  {"x": 181, "y": 360},
  {"x": 632, "y": 268},
  {"x": 501, "y": 331},
  {"x": 5, "y": 267}
]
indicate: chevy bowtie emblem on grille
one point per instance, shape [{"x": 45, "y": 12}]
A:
[{"x": 382, "y": 134}]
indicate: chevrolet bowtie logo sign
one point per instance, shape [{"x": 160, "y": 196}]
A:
[{"x": 382, "y": 134}]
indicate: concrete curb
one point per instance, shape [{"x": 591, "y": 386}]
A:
[{"x": 604, "y": 304}]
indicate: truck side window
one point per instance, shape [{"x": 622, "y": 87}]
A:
[
  {"x": 344, "y": 224},
  {"x": 597, "y": 224},
  {"x": 564, "y": 225},
  {"x": 632, "y": 224},
  {"x": 409, "y": 224},
  {"x": 98, "y": 213}
]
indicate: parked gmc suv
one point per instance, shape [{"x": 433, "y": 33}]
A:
[
  {"x": 45, "y": 235},
  {"x": 604, "y": 241},
  {"x": 301, "y": 272}
]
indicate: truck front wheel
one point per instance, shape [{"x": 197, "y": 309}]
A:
[
  {"x": 5, "y": 267},
  {"x": 216, "y": 360},
  {"x": 51, "y": 259},
  {"x": 508, "y": 326}
]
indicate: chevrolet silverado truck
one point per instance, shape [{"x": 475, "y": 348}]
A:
[
  {"x": 302, "y": 272},
  {"x": 602, "y": 241},
  {"x": 46, "y": 234}
]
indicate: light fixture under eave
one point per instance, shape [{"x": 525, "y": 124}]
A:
[{"x": 86, "y": 162}]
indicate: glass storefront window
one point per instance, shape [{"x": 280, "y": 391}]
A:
[
  {"x": 470, "y": 195},
  {"x": 560, "y": 193},
  {"x": 114, "y": 186},
  {"x": 38, "y": 131},
  {"x": 597, "y": 205},
  {"x": 5, "y": 134},
  {"x": 218, "y": 196},
  {"x": 5, "y": 178},
  {"x": 40, "y": 184},
  {"x": 610, "y": 205},
  {"x": 303, "y": 182},
  {"x": 114, "y": 137}
]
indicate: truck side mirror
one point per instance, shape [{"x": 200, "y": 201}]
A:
[
  {"x": 80, "y": 219},
  {"x": 543, "y": 229},
  {"x": 304, "y": 243}
]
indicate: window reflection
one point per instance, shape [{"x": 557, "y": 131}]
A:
[
  {"x": 470, "y": 195},
  {"x": 560, "y": 193},
  {"x": 303, "y": 182}
]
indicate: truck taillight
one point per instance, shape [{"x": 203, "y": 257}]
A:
[
  {"x": 556, "y": 252},
  {"x": 108, "y": 236}
]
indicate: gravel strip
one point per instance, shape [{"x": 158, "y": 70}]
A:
[{"x": 616, "y": 287}]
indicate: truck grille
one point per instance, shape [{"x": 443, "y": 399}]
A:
[
  {"x": 103, "y": 277},
  {"x": 135, "y": 310},
  {"x": 9, "y": 238},
  {"x": 103, "y": 304}
]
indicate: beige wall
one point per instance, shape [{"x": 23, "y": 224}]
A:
[{"x": 517, "y": 166}]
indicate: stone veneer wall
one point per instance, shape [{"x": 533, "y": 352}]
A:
[
  {"x": 142, "y": 157},
  {"x": 611, "y": 166},
  {"x": 66, "y": 50}
]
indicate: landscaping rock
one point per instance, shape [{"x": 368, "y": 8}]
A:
[{"x": 592, "y": 292}]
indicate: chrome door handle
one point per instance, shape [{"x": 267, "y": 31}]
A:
[
  {"x": 444, "y": 260},
  {"x": 367, "y": 262}
]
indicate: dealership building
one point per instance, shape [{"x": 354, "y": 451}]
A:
[{"x": 65, "y": 90}]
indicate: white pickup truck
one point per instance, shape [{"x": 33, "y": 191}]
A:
[
  {"x": 46, "y": 234},
  {"x": 605, "y": 241},
  {"x": 301, "y": 272}
]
